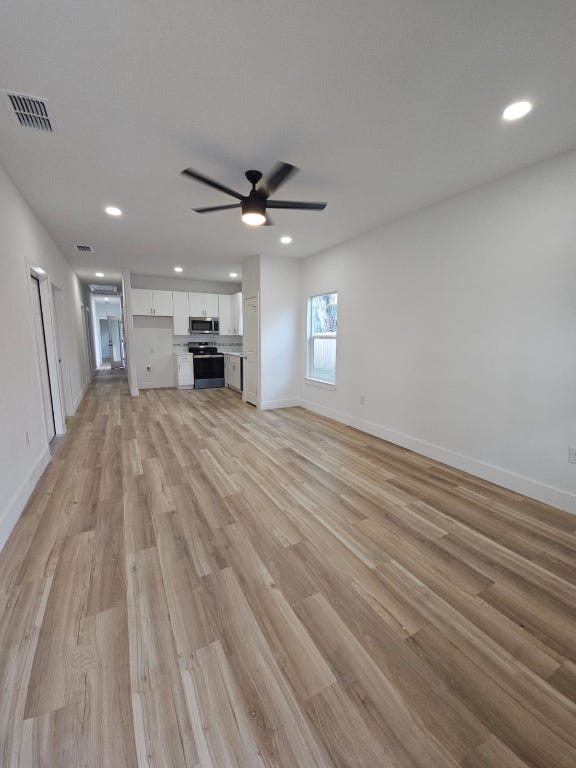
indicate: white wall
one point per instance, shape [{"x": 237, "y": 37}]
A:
[
  {"x": 23, "y": 243},
  {"x": 279, "y": 331},
  {"x": 153, "y": 337},
  {"x": 458, "y": 325},
  {"x": 184, "y": 284}
]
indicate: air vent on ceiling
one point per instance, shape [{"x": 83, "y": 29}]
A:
[
  {"x": 30, "y": 111},
  {"x": 84, "y": 248},
  {"x": 103, "y": 290}
]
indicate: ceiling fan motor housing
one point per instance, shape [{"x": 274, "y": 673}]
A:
[{"x": 254, "y": 203}]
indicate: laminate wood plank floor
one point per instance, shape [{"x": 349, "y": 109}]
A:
[{"x": 198, "y": 583}]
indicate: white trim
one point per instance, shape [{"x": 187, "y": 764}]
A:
[
  {"x": 134, "y": 392},
  {"x": 319, "y": 383},
  {"x": 78, "y": 399},
  {"x": 267, "y": 405},
  {"x": 548, "y": 494},
  {"x": 15, "y": 507}
]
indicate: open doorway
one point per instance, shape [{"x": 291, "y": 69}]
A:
[{"x": 108, "y": 333}]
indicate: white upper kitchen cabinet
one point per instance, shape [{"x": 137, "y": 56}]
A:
[
  {"x": 237, "y": 324},
  {"x": 141, "y": 301},
  {"x": 155, "y": 303},
  {"x": 197, "y": 304},
  {"x": 212, "y": 307},
  {"x": 225, "y": 314},
  {"x": 181, "y": 313},
  {"x": 162, "y": 303},
  {"x": 203, "y": 304}
]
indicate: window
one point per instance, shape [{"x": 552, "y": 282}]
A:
[{"x": 322, "y": 321}]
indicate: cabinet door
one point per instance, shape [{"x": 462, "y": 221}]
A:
[
  {"x": 235, "y": 373},
  {"x": 181, "y": 313},
  {"x": 237, "y": 326},
  {"x": 162, "y": 303},
  {"x": 225, "y": 314},
  {"x": 141, "y": 301},
  {"x": 185, "y": 373},
  {"x": 197, "y": 304},
  {"x": 211, "y": 304}
]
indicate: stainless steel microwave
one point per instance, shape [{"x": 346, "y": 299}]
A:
[{"x": 204, "y": 325}]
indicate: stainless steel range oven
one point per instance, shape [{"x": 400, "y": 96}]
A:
[{"x": 208, "y": 366}]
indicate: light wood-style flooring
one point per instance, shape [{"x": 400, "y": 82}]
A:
[{"x": 197, "y": 583}]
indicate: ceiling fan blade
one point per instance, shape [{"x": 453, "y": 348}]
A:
[
  {"x": 295, "y": 205},
  {"x": 269, "y": 222},
  {"x": 217, "y": 208},
  {"x": 277, "y": 176},
  {"x": 210, "y": 182}
]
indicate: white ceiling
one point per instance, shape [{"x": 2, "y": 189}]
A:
[{"x": 386, "y": 105}]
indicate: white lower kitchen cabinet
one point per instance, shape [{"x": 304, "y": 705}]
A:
[
  {"x": 184, "y": 368},
  {"x": 234, "y": 372}
]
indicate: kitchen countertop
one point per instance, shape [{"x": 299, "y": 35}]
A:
[{"x": 235, "y": 354}]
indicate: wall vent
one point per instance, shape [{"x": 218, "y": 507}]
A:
[
  {"x": 84, "y": 248},
  {"x": 30, "y": 112}
]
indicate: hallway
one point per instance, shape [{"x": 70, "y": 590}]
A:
[{"x": 199, "y": 583}]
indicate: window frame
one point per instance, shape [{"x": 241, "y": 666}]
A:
[{"x": 309, "y": 378}]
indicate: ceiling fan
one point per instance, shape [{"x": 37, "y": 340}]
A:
[{"x": 255, "y": 204}]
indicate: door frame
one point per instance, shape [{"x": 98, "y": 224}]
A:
[
  {"x": 246, "y": 299},
  {"x": 58, "y": 407}
]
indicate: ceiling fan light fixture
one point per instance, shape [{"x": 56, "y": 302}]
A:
[
  {"x": 254, "y": 210},
  {"x": 253, "y": 219}
]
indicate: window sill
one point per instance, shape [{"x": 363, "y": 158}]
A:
[{"x": 319, "y": 383}]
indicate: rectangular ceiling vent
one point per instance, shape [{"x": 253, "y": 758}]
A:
[
  {"x": 30, "y": 112},
  {"x": 84, "y": 248},
  {"x": 104, "y": 290}
]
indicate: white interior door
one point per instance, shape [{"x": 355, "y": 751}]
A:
[
  {"x": 63, "y": 375},
  {"x": 251, "y": 350},
  {"x": 41, "y": 353},
  {"x": 114, "y": 342}
]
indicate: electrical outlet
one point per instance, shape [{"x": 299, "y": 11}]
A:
[
  {"x": 362, "y": 400},
  {"x": 572, "y": 454},
  {"x": 148, "y": 367}
]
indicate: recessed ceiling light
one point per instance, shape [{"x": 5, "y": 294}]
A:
[
  {"x": 112, "y": 210},
  {"x": 99, "y": 274},
  {"x": 517, "y": 110},
  {"x": 39, "y": 270},
  {"x": 285, "y": 239},
  {"x": 178, "y": 269},
  {"x": 233, "y": 274}
]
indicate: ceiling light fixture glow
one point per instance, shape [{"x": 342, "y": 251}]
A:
[
  {"x": 178, "y": 269},
  {"x": 39, "y": 270},
  {"x": 517, "y": 110},
  {"x": 106, "y": 299},
  {"x": 285, "y": 239},
  {"x": 253, "y": 219},
  {"x": 233, "y": 274},
  {"x": 112, "y": 210},
  {"x": 99, "y": 274}
]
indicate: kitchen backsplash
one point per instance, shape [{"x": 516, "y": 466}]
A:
[{"x": 224, "y": 343}]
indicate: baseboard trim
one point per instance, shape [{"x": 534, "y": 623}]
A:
[
  {"x": 12, "y": 513},
  {"x": 547, "y": 494},
  {"x": 134, "y": 392},
  {"x": 78, "y": 400},
  {"x": 268, "y": 405}
]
